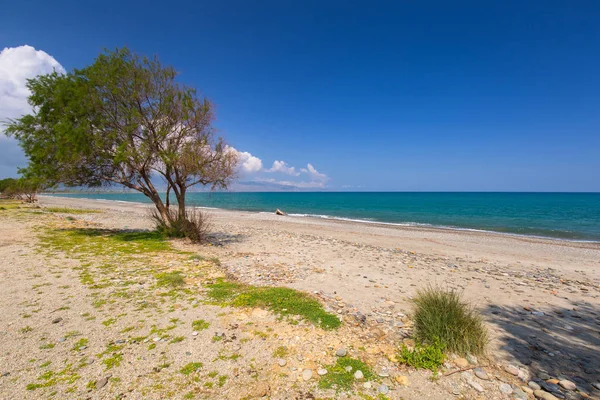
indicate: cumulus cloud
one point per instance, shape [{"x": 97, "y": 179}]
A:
[
  {"x": 283, "y": 167},
  {"x": 248, "y": 164},
  {"x": 314, "y": 174},
  {"x": 17, "y": 64}
]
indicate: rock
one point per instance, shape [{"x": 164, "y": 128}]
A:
[
  {"x": 195, "y": 333},
  {"x": 567, "y": 384},
  {"x": 481, "y": 374},
  {"x": 518, "y": 394},
  {"x": 341, "y": 352},
  {"x": 553, "y": 381},
  {"x": 62, "y": 339},
  {"x": 511, "y": 369},
  {"x": 279, "y": 212},
  {"x": 307, "y": 374},
  {"x": 472, "y": 359},
  {"x": 348, "y": 368},
  {"x": 461, "y": 362},
  {"x": 596, "y": 385},
  {"x": 402, "y": 380},
  {"x": 505, "y": 388},
  {"x": 282, "y": 362},
  {"x": 383, "y": 389},
  {"x": 540, "y": 394},
  {"x": 475, "y": 385},
  {"x": 56, "y": 320},
  {"x": 322, "y": 371},
  {"x": 358, "y": 375},
  {"x": 367, "y": 385},
  {"x": 533, "y": 385},
  {"x": 100, "y": 383}
]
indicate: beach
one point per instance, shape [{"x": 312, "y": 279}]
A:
[{"x": 539, "y": 297}]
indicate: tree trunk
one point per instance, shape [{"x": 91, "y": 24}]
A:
[
  {"x": 168, "y": 190},
  {"x": 181, "y": 203}
]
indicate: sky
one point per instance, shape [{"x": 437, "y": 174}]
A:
[{"x": 345, "y": 95}]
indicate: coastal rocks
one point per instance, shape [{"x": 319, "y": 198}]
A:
[
  {"x": 341, "y": 352},
  {"x": 505, "y": 388},
  {"x": 540, "y": 394},
  {"x": 100, "y": 383},
  {"x": 533, "y": 385},
  {"x": 481, "y": 374},
  {"x": 567, "y": 384},
  {"x": 279, "y": 212},
  {"x": 511, "y": 369}
]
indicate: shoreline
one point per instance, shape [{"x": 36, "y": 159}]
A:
[{"x": 393, "y": 225}]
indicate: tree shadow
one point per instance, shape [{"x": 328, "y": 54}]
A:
[
  {"x": 561, "y": 342},
  {"x": 225, "y": 238}
]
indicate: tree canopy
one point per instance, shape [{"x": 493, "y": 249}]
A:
[{"x": 123, "y": 120}]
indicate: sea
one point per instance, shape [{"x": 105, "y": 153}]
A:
[{"x": 568, "y": 216}]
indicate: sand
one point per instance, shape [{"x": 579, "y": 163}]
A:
[{"x": 540, "y": 297}]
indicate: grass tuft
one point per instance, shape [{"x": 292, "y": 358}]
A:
[
  {"x": 441, "y": 318},
  {"x": 283, "y": 301},
  {"x": 190, "y": 368},
  {"x": 67, "y": 210},
  {"x": 341, "y": 378},
  {"x": 172, "y": 279},
  {"x": 200, "y": 325},
  {"x": 429, "y": 356}
]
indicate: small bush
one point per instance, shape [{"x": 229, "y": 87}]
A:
[
  {"x": 430, "y": 356},
  {"x": 173, "y": 279},
  {"x": 442, "y": 318},
  {"x": 200, "y": 325},
  {"x": 194, "y": 226}
]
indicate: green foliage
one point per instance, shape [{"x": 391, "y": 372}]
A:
[
  {"x": 170, "y": 279},
  {"x": 6, "y": 183},
  {"x": 190, "y": 368},
  {"x": 200, "y": 325},
  {"x": 283, "y": 301},
  {"x": 194, "y": 224},
  {"x": 281, "y": 352},
  {"x": 441, "y": 316},
  {"x": 429, "y": 356},
  {"x": 66, "y": 210},
  {"x": 341, "y": 378}
]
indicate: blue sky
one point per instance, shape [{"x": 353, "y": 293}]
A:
[{"x": 429, "y": 95}]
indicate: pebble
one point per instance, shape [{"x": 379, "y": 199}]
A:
[
  {"x": 195, "y": 333},
  {"x": 100, "y": 383},
  {"x": 511, "y": 369},
  {"x": 341, "y": 352},
  {"x": 402, "y": 380},
  {"x": 383, "y": 389},
  {"x": 348, "y": 368},
  {"x": 461, "y": 362},
  {"x": 519, "y": 394},
  {"x": 596, "y": 385},
  {"x": 505, "y": 388},
  {"x": 358, "y": 375},
  {"x": 322, "y": 371},
  {"x": 475, "y": 385},
  {"x": 534, "y": 385},
  {"x": 481, "y": 374},
  {"x": 56, "y": 320},
  {"x": 567, "y": 384},
  {"x": 540, "y": 394},
  {"x": 62, "y": 339},
  {"x": 472, "y": 359},
  {"x": 282, "y": 362},
  {"x": 367, "y": 385},
  {"x": 307, "y": 374}
]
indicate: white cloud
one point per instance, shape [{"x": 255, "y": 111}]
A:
[
  {"x": 314, "y": 174},
  {"x": 17, "y": 64},
  {"x": 248, "y": 163},
  {"x": 296, "y": 185},
  {"x": 281, "y": 166}
]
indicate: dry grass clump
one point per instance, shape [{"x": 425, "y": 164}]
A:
[
  {"x": 195, "y": 225},
  {"x": 441, "y": 316}
]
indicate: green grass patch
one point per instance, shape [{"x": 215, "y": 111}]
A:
[
  {"x": 200, "y": 325},
  {"x": 341, "y": 378},
  {"x": 80, "y": 343},
  {"x": 442, "y": 318},
  {"x": 283, "y": 301},
  {"x": 190, "y": 368},
  {"x": 170, "y": 279},
  {"x": 281, "y": 352},
  {"x": 428, "y": 356}
]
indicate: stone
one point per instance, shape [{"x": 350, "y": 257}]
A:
[
  {"x": 511, "y": 369},
  {"x": 56, "y": 320},
  {"x": 383, "y": 389},
  {"x": 100, "y": 383},
  {"x": 518, "y": 394},
  {"x": 279, "y": 212},
  {"x": 567, "y": 384},
  {"x": 195, "y": 333},
  {"x": 341, "y": 352},
  {"x": 553, "y": 381},
  {"x": 367, "y": 385},
  {"x": 402, "y": 380},
  {"x": 596, "y": 385},
  {"x": 461, "y": 362},
  {"x": 540, "y": 394},
  {"x": 475, "y": 385},
  {"x": 358, "y": 375},
  {"x": 505, "y": 388},
  {"x": 533, "y": 385},
  {"x": 282, "y": 362},
  {"x": 481, "y": 374},
  {"x": 306, "y": 374},
  {"x": 62, "y": 339},
  {"x": 472, "y": 359},
  {"x": 322, "y": 371},
  {"x": 348, "y": 368}
]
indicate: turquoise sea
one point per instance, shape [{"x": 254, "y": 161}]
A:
[{"x": 573, "y": 216}]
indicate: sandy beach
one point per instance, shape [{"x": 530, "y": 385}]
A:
[{"x": 540, "y": 297}]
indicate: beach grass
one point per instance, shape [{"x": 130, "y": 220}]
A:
[
  {"x": 283, "y": 301},
  {"x": 67, "y": 210},
  {"x": 442, "y": 318},
  {"x": 340, "y": 376}
]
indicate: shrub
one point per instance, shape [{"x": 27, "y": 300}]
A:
[
  {"x": 429, "y": 356},
  {"x": 194, "y": 226},
  {"x": 340, "y": 375},
  {"x": 172, "y": 279},
  {"x": 441, "y": 317}
]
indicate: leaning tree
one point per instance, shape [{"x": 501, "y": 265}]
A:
[{"x": 123, "y": 120}]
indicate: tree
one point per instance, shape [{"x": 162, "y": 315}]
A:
[
  {"x": 123, "y": 120},
  {"x": 6, "y": 183},
  {"x": 24, "y": 189}
]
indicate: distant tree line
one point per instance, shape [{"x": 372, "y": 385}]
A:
[{"x": 24, "y": 189}]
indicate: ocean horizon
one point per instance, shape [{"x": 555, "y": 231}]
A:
[{"x": 568, "y": 216}]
